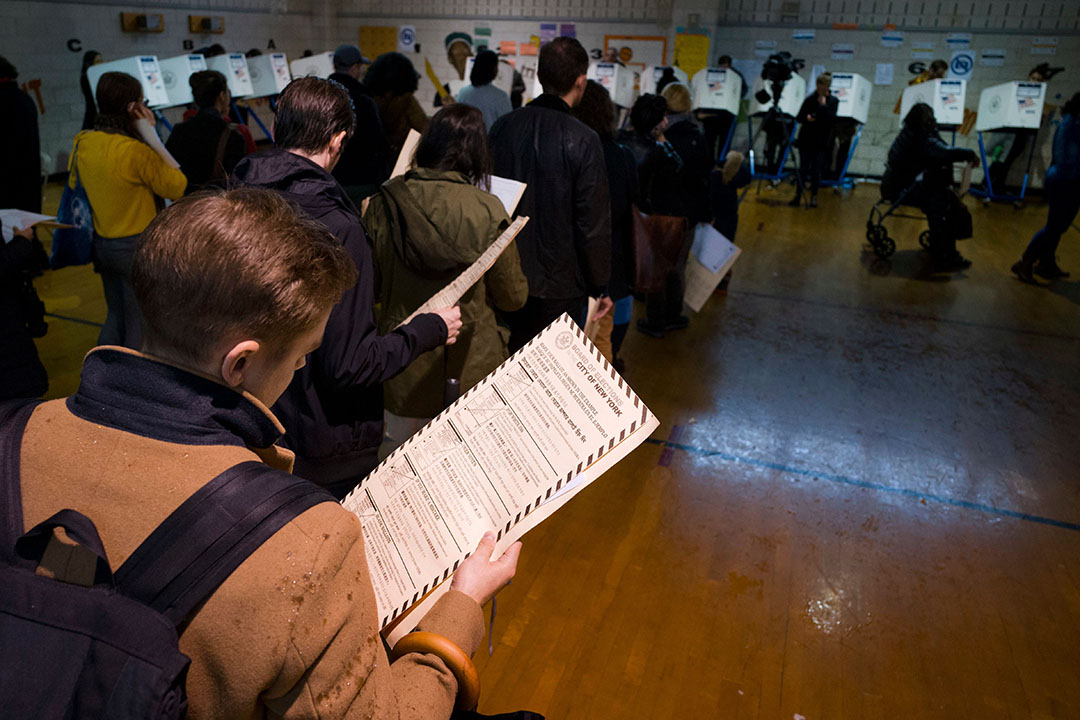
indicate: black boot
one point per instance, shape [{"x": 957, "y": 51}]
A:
[{"x": 1022, "y": 269}]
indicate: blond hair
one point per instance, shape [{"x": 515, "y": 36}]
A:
[{"x": 678, "y": 98}]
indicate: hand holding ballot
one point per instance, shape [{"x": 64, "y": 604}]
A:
[
  {"x": 479, "y": 576},
  {"x": 452, "y": 317}
]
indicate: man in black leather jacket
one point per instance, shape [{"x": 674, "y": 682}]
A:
[
  {"x": 333, "y": 408},
  {"x": 920, "y": 163},
  {"x": 365, "y": 162},
  {"x": 566, "y": 247}
]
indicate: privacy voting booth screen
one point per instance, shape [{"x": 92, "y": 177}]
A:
[
  {"x": 717, "y": 89},
  {"x": 269, "y": 74},
  {"x": 1012, "y": 105},
  {"x": 652, "y": 74},
  {"x": 616, "y": 79},
  {"x": 852, "y": 92},
  {"x": 791, "y": 97},
  {"x": 143, "y": 68},
  {"x": 318, "y": 65},
  {"x": 175, "y": 72},
  {"x": 945, "y": 97},
  {"x": 234, "y": 67}
]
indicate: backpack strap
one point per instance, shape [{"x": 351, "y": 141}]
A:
[
  {"x": 13, "y": 418},
  {"x": 217, "y": 172},
  {"x": 205, "y": 539}
]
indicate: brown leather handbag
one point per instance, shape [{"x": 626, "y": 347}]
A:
[{"x": 658, "y": 241}]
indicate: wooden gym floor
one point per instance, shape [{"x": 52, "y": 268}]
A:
[{"x": 863, "y": 501}]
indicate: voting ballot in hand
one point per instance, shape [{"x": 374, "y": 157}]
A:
[{"x": 507, "y": 454}]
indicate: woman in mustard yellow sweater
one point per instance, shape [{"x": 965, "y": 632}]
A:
[{"x": 124, "y": 178}]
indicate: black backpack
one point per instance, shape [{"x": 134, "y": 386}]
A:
[{"x": 111, "y": 650}]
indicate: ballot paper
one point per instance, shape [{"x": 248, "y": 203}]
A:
[
  {"x": 592, "y": 323},
  {"x": 711, "y": 256},
  {"x": 503, "y": 457},
  {"x": 13, "y": 218},
  {"x": 508, "y": 191},
  {"x": 405, "y": 157},
  {"x": 449, "y": 295}
]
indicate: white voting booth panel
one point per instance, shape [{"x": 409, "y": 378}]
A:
[
  {"x": 143, "y": 68},
  {"x": 504, "y": 80},
  {"x": 175, "y": 72},
  {"x": 1012, "y": 105},
  {"x": 234, "y": 67},
  {"x": 852, "y": 92},
  {"x": 269, "y": 74},
  {"x": 616, "y": 79},
  {"x": 946, "y": 97},
  {"x": 652, "y": 74},
  {"x": 318, "y": 65},
  {"x": 791, "y": 97},
  {"x": 717, "y": 89}
]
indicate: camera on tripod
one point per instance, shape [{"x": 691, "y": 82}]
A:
[{"x": 778, "y": 69}]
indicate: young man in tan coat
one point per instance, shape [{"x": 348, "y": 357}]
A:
[{"x": 236, "y": 289}]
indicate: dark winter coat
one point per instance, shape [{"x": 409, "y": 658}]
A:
[
  {"x": 21, "y": 319},
  {"x": 724, "y": 199},
  {"x": 366, "y": 158},
  {"x": 692, "y": 193},
  {"x": 20, "y": 180},
  {"x": 623, "y": 181},
  {"x": 566, "y": 247},
  {"x": 915, "y": 152},
  {"x": 428, "y": 226},
  {"x": 194, "y": 144},
  {"x": 333, "y": 410},
  {"x": 816, "y": 134}
]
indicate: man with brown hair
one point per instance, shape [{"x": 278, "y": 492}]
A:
[
  {"x": 235, "y": 291},
  {"x": 333, "y": 410}
]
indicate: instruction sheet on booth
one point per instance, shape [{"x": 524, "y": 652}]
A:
[{"x": 500, "y": 458}]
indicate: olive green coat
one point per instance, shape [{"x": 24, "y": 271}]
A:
[{"x": 427, "y": 226}]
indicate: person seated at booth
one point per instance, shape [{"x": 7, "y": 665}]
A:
[
  {"x": 207, "y": 146},
  {"x": 482, "y": 94},
  {"x": 236, "y": 289},
  {"x": 919, "y": 173}
]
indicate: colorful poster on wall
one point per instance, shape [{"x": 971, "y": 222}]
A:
[
  {"x": 508, "y": 47},
  {"x": 532, "y": 47},
  {"x": 568, "y": 30},
  {"x": 691, "y": 51},
  {"x": 548, "y": 32},
  {"x": 374, "y": 40}
]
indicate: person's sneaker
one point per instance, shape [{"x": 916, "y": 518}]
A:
[
  {"x": 952, "y": 263},
  {"x": 1049, "y": 270},
  {"x": 648, "y": 329},
  {"x": 1022, "y": 270},
  {"x": 680, "y": 323}
]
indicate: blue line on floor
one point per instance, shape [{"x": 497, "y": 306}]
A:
[
  {"x": 868, "y": 485},
  {"x": 73, "y": 319},
  {"x": 902, "y": 314}
]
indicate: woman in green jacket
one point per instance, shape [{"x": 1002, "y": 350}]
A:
[{"x": 429, "y": 225}]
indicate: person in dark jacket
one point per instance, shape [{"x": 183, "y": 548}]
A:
[
  {"x": 816, "y": 118},
  {"x": 22, "y": 316},
  {"x": 206, "y": 146},
  {"x": 566, "y": 247},
  {"x": 20, "y": 148},
  {"x": 333, "y": 409},
  {"x": 365, "y": 162},
  {"x": 725, "y": 181},
  {"x": 662, "y": 192},
  {"x": 920, "y": 165},
  {"x": 392, "y": 81},
  {"x": 1062, "y": 187},
  {"x": 90, "y": 58},
  {"x": 689, "y": 142},
  {"x": 598, "y": 112}
]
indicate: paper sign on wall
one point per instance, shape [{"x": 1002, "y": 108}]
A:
[
  {"x": 568, "y": 30},
  {"x": 548, "y": 32},
  {"x": 922, "y": 50},
  {"x": 961, "y": 65},
  {"x": 764, "y": 48},
  {"x": 883, "y": 74},
  {"x": 406, "y": 39},
  {"x": 843, "y": 51},
  {"x": 958, "y": 41},
  {"x": 1044, "y": 46},
  {"x": 993, "y": 58},
  {"x": 691, "y": 51},
  {"x": 803, "y": 37},
  {"x": 508, "y": 47},
  {"x": 892, "y": 39}
]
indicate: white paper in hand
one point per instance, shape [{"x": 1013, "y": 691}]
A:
[
  {"x": 508, "y": 191},
  {"x": 711, "y": 248}
]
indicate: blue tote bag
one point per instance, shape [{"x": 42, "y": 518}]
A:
[{"x": 71, "y": 246}]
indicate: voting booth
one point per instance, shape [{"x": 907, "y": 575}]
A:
[
  {"x": 791, "y": 97},
  {"x": 650, "y": 77},
  {"x": 852, "y": 92},
  {"x": 175, "y": 72},
  {"x": 504, "y": 80},
  {"x": 269, "y": 74},
  {"x": 946, "y": 97},
  {"x": 616, "y": 79},
  {"x": 717, "y": 89},
  {"x": 1012, "y": 105},
  {"x": 143, "y": 68},
  {"x": 317, "y": 65},
  {"x": 234, "y": 67}
]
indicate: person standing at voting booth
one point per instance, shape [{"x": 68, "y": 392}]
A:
[
  {"x": 125, "y": 179},
  {"x": 207, "y": 146},
  {"x": 816, "y": 119},
  {"x": 365, "y": 162},
  {"x": 428, "y": 226},
  {"x": 481, "y": 93},
  {"x": 392, "y": 81},
  {"x": 1062, "y": 187},
  {"x": 566, "y": 246},
  {"x": 333, "y": 408},
  {"x": 919, "y": 173}
]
